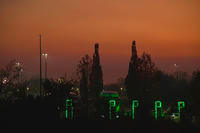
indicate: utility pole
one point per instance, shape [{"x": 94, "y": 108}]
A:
[
  {"x": 45, "y": 66},
  {"x": 40, "y": 64}
]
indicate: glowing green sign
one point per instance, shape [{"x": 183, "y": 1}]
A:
[
  {"x": 158, "y": 105},
  {"x": 69, "y": 109},
  {"x": 117, "y": 108},
  {"x": 181, "y": 104},
  {"x": 112, "y": 104},
  {"x": 110, "y": 95},
  {"x": 135, "y": 104}
]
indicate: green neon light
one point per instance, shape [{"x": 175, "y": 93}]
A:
[
  {"x": 110, "y": 95},
  {"x": 135, "y": 104},
  {"x": 117, "y": 108},
  {"x": 66, "y": 113},
  {"x": 158, "y": 104},
  {"x": 68, "y": 107},
  {"x": 181, "y": 105},
  {"x": 69, "y": 102},
  {"x": 112, "y": 104}
]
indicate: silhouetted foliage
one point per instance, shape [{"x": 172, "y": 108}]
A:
[
  {"x": 96, "y": 76},
  {"x": 139, "y": 79},
  {"x": 86, "y": 64},
  {"x": 195, "y": 91},
  {"x": 84, "y": 70},
  {"x": 11, "y": 87},
  {"x": 143, "y": 82}
]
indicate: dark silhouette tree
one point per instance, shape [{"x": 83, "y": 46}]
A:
[
  {"x": 195, "y": 91},
  {"x": 139, "y": 80},
  {"x": 96, "y": 76},
  {"x": 84, "y": 86},
  {"x": 84, "y": 93},
  {"x": 83, "y": 71},
  {"x": 86, "y": 64},
  {"x": 140, "y": 74},
  {"x": 11, "y": 72},
  {"x": 132, "y": 79},
  {"x": 146, "y": 69},
  {"x": 96, "y": 83},
  {"x": 11, "y": 88}
]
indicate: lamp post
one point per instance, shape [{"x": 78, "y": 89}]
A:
[
  {"x": 19, "y": 69},
  {"x": 27, "y": 91},
  {"x": 45, "y": 56}
]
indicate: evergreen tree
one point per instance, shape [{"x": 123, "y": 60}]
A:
[
  {"x": 84, "y": 92},
  {"x": 195, "y": 91},
  {"x": 83, "y": 71},
  {"x": 96, "y": 76},
  {"x": 138, "y": 82},
  {"x": 84, "y": 86},
  {"x": 132, "y": 79},
  {"x": 140, "y": 75}
]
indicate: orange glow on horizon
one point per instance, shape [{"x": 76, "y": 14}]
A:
[{"x": 169, "y": 30}]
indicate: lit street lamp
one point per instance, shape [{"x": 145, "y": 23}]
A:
[
  {"x": 19, "y": 68},
  {"x": 45, "y": 56},
  {"x": 27, "y": 90}
]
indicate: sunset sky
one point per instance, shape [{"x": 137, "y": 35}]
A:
[{"x": 167, "y": 29}]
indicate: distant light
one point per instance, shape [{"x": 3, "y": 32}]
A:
[
  {"x": 5, "y": 80},
  {"x": 117, "y": 116},
  {"x": 121, "y": 88},
  {"x": 175, "y": 65},
  {"x": 60, "y": 80},
  {"x": 27, "y": 88},
  {"x": 18, "y": 64},
  {"x": 45, "y": 54}
]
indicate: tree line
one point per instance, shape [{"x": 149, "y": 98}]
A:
[{"x": 144, "y": 82}]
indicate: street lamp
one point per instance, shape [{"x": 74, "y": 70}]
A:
[
  {"x": 27, "y": 90},
  {"x": 19, "y": 69},
  {"x": 45, "y": 56}
]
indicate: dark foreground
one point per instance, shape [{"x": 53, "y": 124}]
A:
[
  {"x": 97, "y": 126},
  {"x": 25, "y": 118}
]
